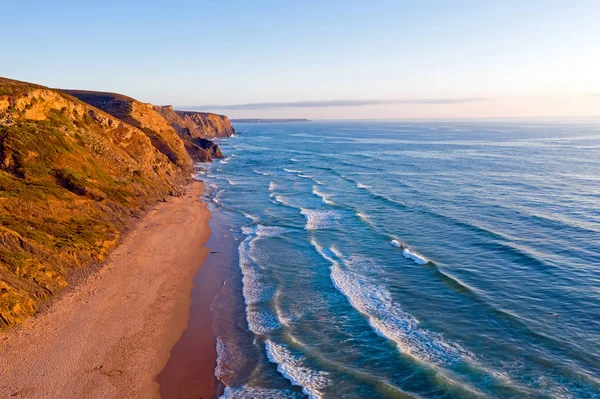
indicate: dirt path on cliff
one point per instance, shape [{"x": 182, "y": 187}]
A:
[{"x": 113, "y": 334}]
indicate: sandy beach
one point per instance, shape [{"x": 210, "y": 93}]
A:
[{"x": 112, "y": 335}]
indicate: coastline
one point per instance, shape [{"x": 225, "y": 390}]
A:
[
  {"x": 192, "y": 369},
  {"x": 112, "y": 335}
]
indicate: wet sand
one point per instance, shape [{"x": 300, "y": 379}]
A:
[
  {"x": 191, "y": 367},
  {"x": 112, "y": 335}
]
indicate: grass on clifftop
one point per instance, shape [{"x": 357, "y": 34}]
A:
[{"x": 69, "y": 186}]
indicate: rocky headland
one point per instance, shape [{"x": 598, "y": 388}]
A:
[{"x": 77, "y": 168}]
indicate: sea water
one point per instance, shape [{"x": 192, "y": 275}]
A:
[{"x": 397, "y": 260}]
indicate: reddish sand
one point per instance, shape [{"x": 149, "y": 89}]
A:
[{"x": 112, "y": 335}]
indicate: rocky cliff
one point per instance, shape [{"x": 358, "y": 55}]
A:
[
  {"x": 141, "y": 115},
  {"x": 196, "y": 128},
  {"x": 72, "y": 177}
]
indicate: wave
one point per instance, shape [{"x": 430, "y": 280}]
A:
[
  {"x": 386, "y": 317},
  {"x": 292, "y": 170},
  {"x": 224, "y": 356},
  {"x": 245, "y": 392},
  {"x": 294, "y": 160},
  {"x": 251, "y": 217},
  {"x": 317, "y": 219},
  {"x": 278, "y": 199},
  {"x": 360, "y": 185},
  {"x": 293, "y": 368},
  {"x": 216, "y": 199},
  {"x": 364, "y": 217},
  {"x": 258, "y": 172},
  {"x": 415, "y": 257},
  {"x": 272, "y": 186},
  {"x": 232, "y": 182},
  {"x": 254, "y": 289},
  {"x": 324, "y": 197},
  {"x": 409, "y": 254}
]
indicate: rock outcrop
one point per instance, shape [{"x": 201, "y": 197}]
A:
[
  {"x": 196, "y": 129},
  {"x": 72, "y": 177},
  {"x": 197, "y": 124}
]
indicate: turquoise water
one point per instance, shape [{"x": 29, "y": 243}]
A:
[{"x": 397, "y": 260}]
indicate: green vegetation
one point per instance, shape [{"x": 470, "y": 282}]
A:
[{"x": 70, "y": 180}]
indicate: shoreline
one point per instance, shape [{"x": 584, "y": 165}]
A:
[
  {"x": 113, "y": 334},
  {"x": 191, "y": 369}
]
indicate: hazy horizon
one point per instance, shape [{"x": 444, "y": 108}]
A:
[{"x": 339, "y": 60}]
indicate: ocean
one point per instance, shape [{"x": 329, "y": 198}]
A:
[{"x": 409, "y": 260}]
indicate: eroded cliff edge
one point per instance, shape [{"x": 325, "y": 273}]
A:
[
  {"x": 196, "y": 129},
  {"x": 162, "y": 124},
  {"x": 74, "y": 174}
]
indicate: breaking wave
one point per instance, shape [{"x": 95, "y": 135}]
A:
[
  {"x": 324, "y": 197},
  {"x": 255, "y": 289},
  {"x": 317, "y": 219},
  {"x": 410, "y": 254},
  {"x": 293, "y": 368},
  {"x": 258, "y": 393},
  {"x": 386, "y": 316}
]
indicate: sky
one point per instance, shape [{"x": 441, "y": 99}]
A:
[{"x": 317, "y": 59}]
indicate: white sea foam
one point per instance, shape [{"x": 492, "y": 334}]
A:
[
  {"x": 225, "y": 161},
  {"x": 223, "y": 357},
  {"x": 324, "y": 197},
  {"x": 293, "y": 368},
  {"x": 232, "y": 182},
  {"x": 279, "y": 199},
  {"x": 262, "y": 321},
  {"x": 264, "y": 231},
  {"x": 294, "y": 160},
  {"x": 304, "y": 176},
  {"x": 386, "y": 316},
  {"x": 317, "y": 219},
  {"x": 272, "y": 186},
  {"x": 409, "y": 254},
  {"x": 245, "y": 392},
  {"x": 251, "y": 217},
  {"x": 363, "y": 217},
  {"x": 360, "y": 185},
  {"x": 216, "y": 199},
  {"x": 258, "y": 172},
  {"x": 254, "y": 289},
  {"x": 292, "y": 170},
  {"x": 417, "y": 258},
  {"x": 396, "y": 243}
]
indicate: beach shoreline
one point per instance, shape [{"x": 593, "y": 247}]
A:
[{"x": 111, "y": 335}]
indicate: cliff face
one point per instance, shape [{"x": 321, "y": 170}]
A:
[
  {"x": 197, "y": 124},
  {"x": 196, "y": 128},
  {"x": 208, "y": 125},
  {"x": 71, "y": 178},
  {"x": 143, "y": 116}
]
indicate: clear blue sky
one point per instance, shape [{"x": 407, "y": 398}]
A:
[{"x": 384, "y": 58}]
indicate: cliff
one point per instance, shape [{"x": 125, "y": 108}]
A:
[
  {"x": 143, "y": 116},
  {"x": 196, "y": 128},
  {"x": 72, "y": 177},
  {"x": 198, "y": 124}
]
